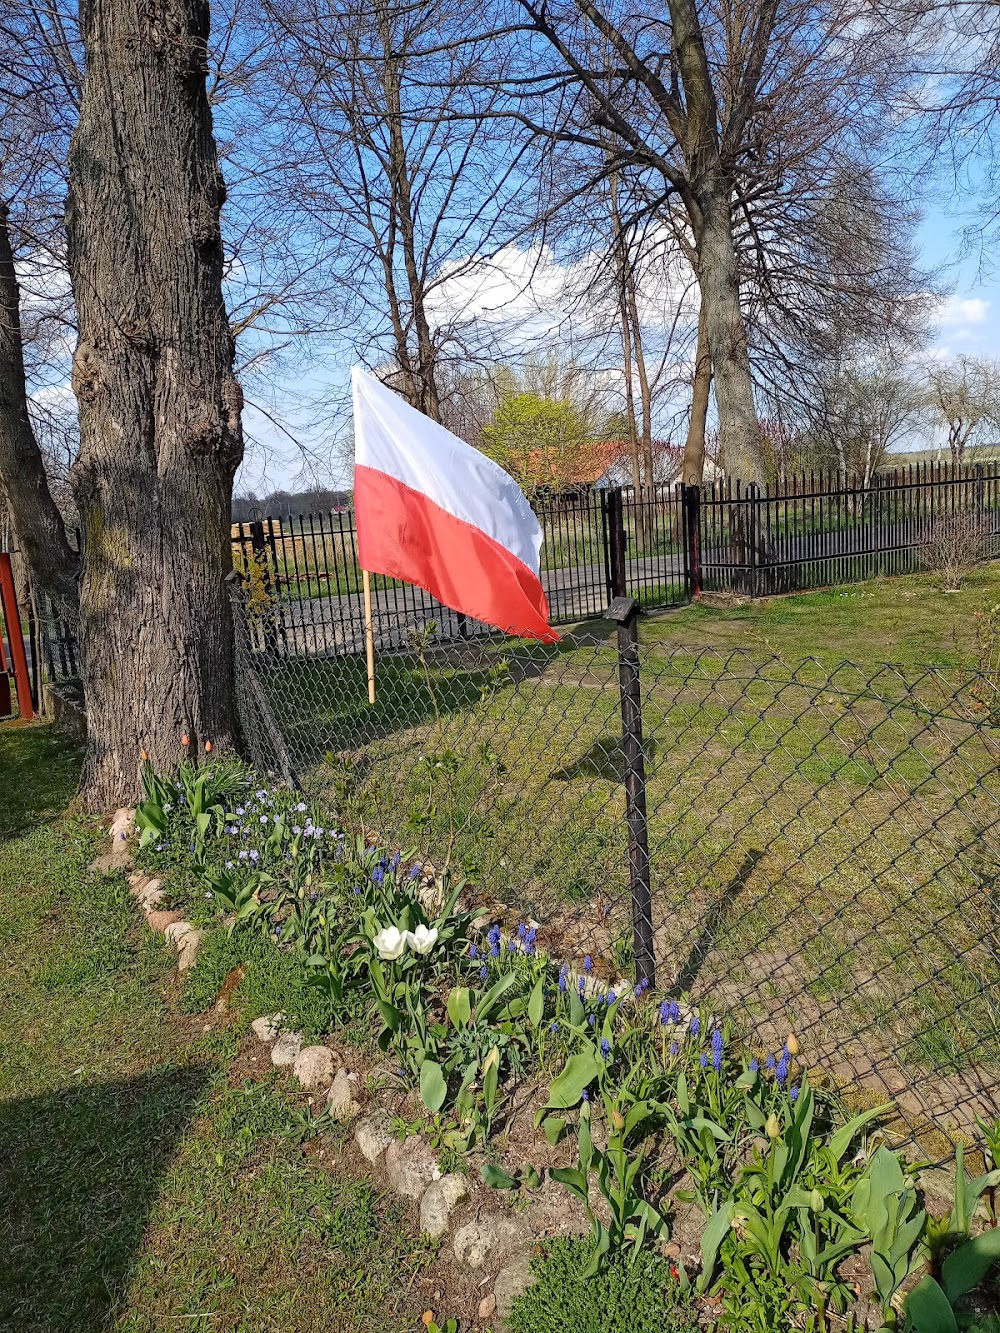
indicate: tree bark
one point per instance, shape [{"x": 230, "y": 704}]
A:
[
  {"x": 159, "y": 403},
  {"x": 37, "y": 523},
  {"x": 693, "y": 466}
]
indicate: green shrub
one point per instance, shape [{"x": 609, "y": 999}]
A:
[
  {"x": 273, "y": 981},
  {"x": 639, "y": 1297}
]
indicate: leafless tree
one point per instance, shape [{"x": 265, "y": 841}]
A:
[{"x": 963, "y": 396}]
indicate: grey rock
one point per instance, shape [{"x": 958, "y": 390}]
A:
[
  {"x": 313, "y": 1066},
  {"x": 487, "y": 1306},
  {"x": 410, "y": 1167},
  {"x": 186, "y": 939},
  {"x": 340, "y": 1100},
  {"x": 440, "y": 1197},
  {"x": 512, "y": 1280},
  {"x": 286, "y": 1048},
  {"x": 268, "y": 1027},
  {"x": 480, "y": 1242},
  {"x": 373, "y": 1134}
]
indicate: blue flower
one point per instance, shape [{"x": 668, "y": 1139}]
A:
[
  {"x": 473, "y": 951},
  {"x": 695, "y": 1026},
  {"x": 415, "y": 870},
  {"x": 240, "y": 810},
  {"x": 673, "y": 1048},
  {"x": 794, "y": 1094},
  {"x": 512, "y": 946},
  {"x": 396, "y": 858},
  {"x": 301, "y": 806},
  {"x": 483, "y": 973},
  {"x": 642, "y": 987},
  {"x": 703, "y": 1060},
  {"x": 296, "y": 829},
  {"x": 264, "y": 819},
  {"x": 769, "y": 1062},
  {"x": 754, "y": 1066},
  {"x": 588, "y": 963},
  {"x": 611, "y": 997},
  {"x": 494, "y": 941},
  {"x": 522, "y": 930},
  {"x": 665, "y": 1012},
  {"x": 357, "y": 889},
  {"x": 583, "y": 985},
  {"x": 553, "y": 1027},
  {"x": 605, "y": 1047},
  {"x": 591, "y": 1020},
  {"x": 585, "y": 1095},
  {"x": 529, "y": 941},
  {"x": 229, "y": 865},
  {"x": 563, "y": 975},
  {"x": 254, "y": 854},
  {"x": 781, "y": 1072},
  {"x": 716, "y": 1050},
  {"x": 378, "y": 875}
]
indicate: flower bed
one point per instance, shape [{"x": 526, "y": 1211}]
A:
[{"x": 772, "y": 1206}]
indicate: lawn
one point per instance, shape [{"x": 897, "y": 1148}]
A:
[
  {"x": 823, "y": 829},
  {"x": 148, "y": 1182}
]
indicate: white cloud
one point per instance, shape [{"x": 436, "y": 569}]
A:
[{"x": 964, "y": 310}]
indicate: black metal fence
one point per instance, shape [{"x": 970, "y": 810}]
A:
[
  {"x": 662, "y": 546},
  {"x": 798, "y": 846}
]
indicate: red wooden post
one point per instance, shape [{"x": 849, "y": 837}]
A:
[{"x": 8, "y": 600}]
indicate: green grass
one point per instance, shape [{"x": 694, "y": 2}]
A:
[
  {"x": 145, "y": 1186},
  {"x": 822, "y": 828}
]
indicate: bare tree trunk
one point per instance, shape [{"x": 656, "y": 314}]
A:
[
  {"x": 739, "y": 430},
  {"x": 693, "y": 466},
  {"x": 159, "y": 403},
  {"x": 621, "y": 271},
  {"x": 38, "y": 525}
]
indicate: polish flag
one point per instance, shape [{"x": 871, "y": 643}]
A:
[{"x": 433, "y": 511}]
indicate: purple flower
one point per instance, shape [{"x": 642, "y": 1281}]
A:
[
  {"x": 494, "y": 941},
  {"x": 588, "y": 963},
  {"x": 695, "y": 1026},
  {"x": 563, "y": 974},
  {"x": 473, "y": 951},
  {"x": 553, "y": 1027},
  {"x": 716, "y": 1050},
  {"x": 357, "y": 890},
  {"x": 754, "y": 1066},
  {"x": 378, "y": 875},
  {"x": 264, "y": 819},
  {"x": 415, "y": 870},
  {"x": 591, "y": 1020},
  {"x": 769, "y": 1062},
  {"x": 394, "y": 863},
  {"x": 642, "y": 987},
  {"x": 794, "y": 1094},
  {"x": 585, "y": 1095},
  {"x": 522, "y": 930},
  {"x": 254, "y": 854},
  {"x": 665, "y": 1012},
  {"x": 781, "y": 1072},
  {"x": 296, "y": 829},
  {"x": 529, "y": 941},
  {"x": 300, "y": 807},
  {"x": 240, "y": 810},
  {"x": 512, "y": 946},
  {"x": 611, "y": 997},
  {"x": 703, "y": 1060},
  {"x": 229, "y": 865},
  {"x": 243, "y": 854},
  {"x": 583, "y": 985},
  {"x": 605, "y": 1047},
  {"x": 483, "y": 973},
  {"x": 673, "y": 1048}
]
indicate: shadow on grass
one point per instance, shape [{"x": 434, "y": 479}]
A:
[
  {"x": 39, "y": 772},
  {"x": 79, "y": 1174},
  {"x": 711, "y": 926}
]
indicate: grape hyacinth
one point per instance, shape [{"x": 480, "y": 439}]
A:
[
  {"x": 781, "y": 1071},
  {"x": 605, "y": 1048},
  {"x": 717, "y": 1050}
]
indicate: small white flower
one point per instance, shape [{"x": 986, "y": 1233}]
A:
[
  {"x": 422, "y": 940},
  {"x": 390, "y": 943}
]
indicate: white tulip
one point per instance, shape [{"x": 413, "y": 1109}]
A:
[
  {"x": 390, "y": 943},
  {"x": 422, "y": 940}
]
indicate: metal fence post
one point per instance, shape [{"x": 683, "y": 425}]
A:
[
  {"x": 691, "y": 508},
  {"x": 624, "y": 610},
  {"x": 616, "y": 541}
]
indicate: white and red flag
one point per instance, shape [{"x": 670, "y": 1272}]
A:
[{"x": 433, "y": 511}]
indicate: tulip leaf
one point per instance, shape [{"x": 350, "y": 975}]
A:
[
  {"x": 496, "y": 1177},
  {"x": 968, "y": 1265},
  {"x": 553, "y": 1128},
  {"x": 536, "y": 1004},
  {"x": 928, "y": 1309},
  {"x": 460, "y": 1006},
  {"x": 433, "y": 1088},
  {"x": 568, "y": 1087}
]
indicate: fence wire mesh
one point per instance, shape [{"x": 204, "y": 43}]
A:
[{"x": 824, "y": 840}]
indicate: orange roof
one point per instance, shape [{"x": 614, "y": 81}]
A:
[{"x": 585, "y": 463}]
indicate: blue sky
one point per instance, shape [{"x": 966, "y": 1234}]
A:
[{"x": 969, "y": 322}]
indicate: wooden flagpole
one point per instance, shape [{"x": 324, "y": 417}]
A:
[{"x": 369, "y": 635}]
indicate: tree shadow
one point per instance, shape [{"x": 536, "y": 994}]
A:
[
  {"x": 79, "y": 1174},
  {"x": 604, "y": 759},
  {"x": 712, "y": 924}
]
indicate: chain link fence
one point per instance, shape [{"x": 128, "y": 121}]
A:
[{"x": 824, "y": 844}]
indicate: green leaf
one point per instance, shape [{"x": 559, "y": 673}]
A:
[
  {"x": 844, "y": 1136},
  {"x": 963, "y": 1270},
  {"x": 568, "y": 1087},
  {"x": 496, "y": 1177},
  {"x": 928, "y": 1309},
  {"x": 536, "y": 1004},
  {"x": 460, "y": 1006},
  {"x": 573, "y": 1178},
  {"x": 553, "y": 1128},
  {"x": 712, "y": 1237},
  {"x": 486, "y": 1002},
  {"x": 433, "y": 1088},
  {"x": 600, "y": 1250}
]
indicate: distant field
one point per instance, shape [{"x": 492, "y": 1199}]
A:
[{"x": 982, "y": 453}]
